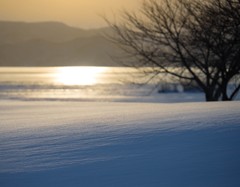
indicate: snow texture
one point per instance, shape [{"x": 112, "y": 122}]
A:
[{"x": 114, "y": 144}]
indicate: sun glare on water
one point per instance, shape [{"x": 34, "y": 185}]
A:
[{"x": 79, "y": 75}]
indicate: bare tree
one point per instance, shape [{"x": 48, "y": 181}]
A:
[{"x": 194, "y": 41}]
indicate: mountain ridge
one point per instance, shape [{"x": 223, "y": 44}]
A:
[{"x": 54, "y": 44}]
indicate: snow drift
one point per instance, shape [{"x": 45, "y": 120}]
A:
[{"x": 119, "y": 144}]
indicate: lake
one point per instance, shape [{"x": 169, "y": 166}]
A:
[{"x": 59, "y": 83}]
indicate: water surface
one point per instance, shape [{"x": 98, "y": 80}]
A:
[{"x": 67, "y": 82}]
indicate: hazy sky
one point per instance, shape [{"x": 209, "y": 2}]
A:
[{"x": 82, "y": 13}]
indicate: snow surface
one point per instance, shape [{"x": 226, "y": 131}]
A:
[{"x": 116, "y": 144}]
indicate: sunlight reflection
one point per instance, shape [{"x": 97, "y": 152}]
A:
[{"x": 79, "y": 75}]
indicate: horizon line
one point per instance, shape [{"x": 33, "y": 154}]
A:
[{"x": 54, "y": 21}]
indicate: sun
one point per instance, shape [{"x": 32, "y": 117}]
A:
[{"x": 78, "y": 75}]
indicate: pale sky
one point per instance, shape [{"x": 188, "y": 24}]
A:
[{"x": 80, "y": 13}]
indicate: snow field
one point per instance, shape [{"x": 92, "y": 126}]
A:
[{"x": 119, "y": 144}]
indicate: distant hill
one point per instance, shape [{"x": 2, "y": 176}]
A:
[{"x": 53, "y": 44}]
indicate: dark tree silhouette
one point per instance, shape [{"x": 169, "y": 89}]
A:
[{"x": 192, "y": 40}]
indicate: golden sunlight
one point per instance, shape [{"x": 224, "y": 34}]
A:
[
  {"x": 78, "y": 75},
  {"x": 80, "y": 13}
]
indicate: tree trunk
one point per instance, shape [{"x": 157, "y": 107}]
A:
[
  {"x": 209, "y": 96},
  {"x": 217, "y": 93},
  {"x": 224, "y": 92},
  {"x": 225, "y": 97}
]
